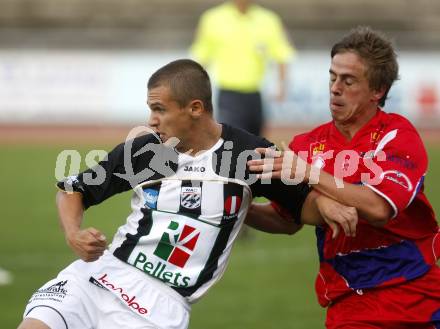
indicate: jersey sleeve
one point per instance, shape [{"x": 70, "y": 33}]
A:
[
  {"x": 401, "y": 172},
  {"x": 299, "y": 143},
  {"x": 101, "y": 181},
  {"x": 126, "y": 166}
]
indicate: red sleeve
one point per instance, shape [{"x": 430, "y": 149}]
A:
[
  {"x": 402, "y": 169},
  {"x": 296, "y": 144}
]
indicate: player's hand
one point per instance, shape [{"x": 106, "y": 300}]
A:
[
  {"x": 89, "y": 244},
  {"x": 337, "y": 215},
  {"x": 284, "y": 165}
]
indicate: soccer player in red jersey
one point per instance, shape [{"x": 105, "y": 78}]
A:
[{"x": 382, "y": 272}]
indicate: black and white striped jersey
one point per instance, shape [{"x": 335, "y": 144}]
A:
[{"x": 186, "y": 210}]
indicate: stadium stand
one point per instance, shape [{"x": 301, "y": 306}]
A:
[{"x": 171, "y": 23}]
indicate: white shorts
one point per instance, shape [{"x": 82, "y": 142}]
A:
[{"x": 107, "y": 294}]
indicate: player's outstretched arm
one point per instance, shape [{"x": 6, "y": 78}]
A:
[
  {"x": 283, "y": 165},
  {"x": 317, "y": 210},
  {"x": 89, "y": 243},
  {"x": 263, "y": 217}
]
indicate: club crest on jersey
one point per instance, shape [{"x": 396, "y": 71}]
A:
[
  {"x": 191, "y": 197},
  {"x": 177, "y": 244},
  {"x": 317, "y": 147},
  {"x": 151, "y": 196},
  {"x": 232, "y": 206},
  {"x": 375, "y": 136}
]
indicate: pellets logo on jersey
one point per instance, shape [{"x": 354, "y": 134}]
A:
[
  {"x": 232, "y": 205},
  {"x": 177, "y": 244},
  {"x": 191, "y": 197}
]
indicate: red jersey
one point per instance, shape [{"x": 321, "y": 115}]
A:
[{"x": 388, "y": 156}]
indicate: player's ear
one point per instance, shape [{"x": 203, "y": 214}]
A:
[
  {"x": 196, "y": 108},
  {"x": 378, "y": 94}
]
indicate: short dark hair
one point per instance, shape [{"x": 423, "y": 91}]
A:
[
  {"x": 187, "y": 81},
  {"x": 378, "y": 53}
]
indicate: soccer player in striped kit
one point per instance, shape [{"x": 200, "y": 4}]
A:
[{"x": 192, "y": 190}]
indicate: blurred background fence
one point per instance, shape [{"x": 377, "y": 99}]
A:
[{"x": 87, "y": 62}]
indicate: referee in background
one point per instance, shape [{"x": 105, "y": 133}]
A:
[{"x": 236, "y": 39}]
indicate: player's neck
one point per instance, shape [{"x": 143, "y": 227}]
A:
[
  {"x": 242, "y": 6},
  {"x": 350, "y": 128},
  {"x": 204, "y": 136}
]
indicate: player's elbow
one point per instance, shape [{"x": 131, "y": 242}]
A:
[
  {"x": 293, "y": 228},
  {"x": 380, "y": 214}
]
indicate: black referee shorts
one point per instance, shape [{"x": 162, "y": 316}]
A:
[{"x": 241, "y": 110}]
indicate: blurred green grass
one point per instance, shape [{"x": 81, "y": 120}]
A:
[{"x": 268, "y": 284}]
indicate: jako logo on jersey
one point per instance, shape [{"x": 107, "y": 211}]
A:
[
  {"x": 194, "y": 169},
  {"x": 191, "y": 197},
  {"x": 151, "y": 196},
  {"x": 176, "y": 246},
  {"x": 232, "y": 206}
]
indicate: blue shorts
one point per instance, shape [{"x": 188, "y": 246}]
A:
[{"x": 413, "y": 304}]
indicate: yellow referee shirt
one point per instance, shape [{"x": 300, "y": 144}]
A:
[{"x": 238, "y": 45}]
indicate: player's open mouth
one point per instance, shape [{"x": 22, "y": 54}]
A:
[{"x": 335, "y": 106}]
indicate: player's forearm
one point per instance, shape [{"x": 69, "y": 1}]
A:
[
  {"x": 370, "y": 206},
  {"x": 70, "y": 212},
  {"x": 310, "y": 214},
  {"x": 89, "y": 243},
  {"x": 264, "y": 217}
]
